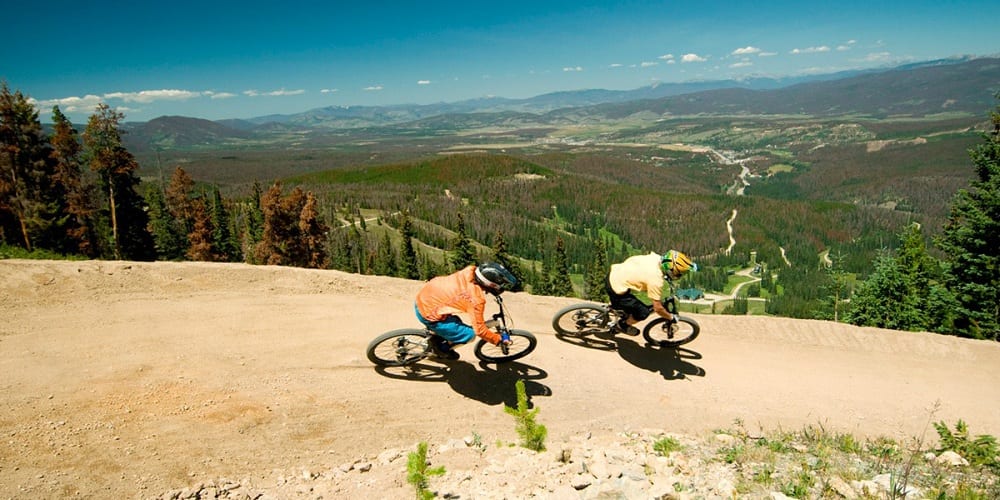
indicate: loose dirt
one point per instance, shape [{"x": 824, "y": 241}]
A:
[{"x": 125, "y": 379}]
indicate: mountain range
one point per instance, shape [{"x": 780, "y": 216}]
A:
[{"x": 957, "y": 86}]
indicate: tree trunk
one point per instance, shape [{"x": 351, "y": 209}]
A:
[{"x": 114, "y": 219}]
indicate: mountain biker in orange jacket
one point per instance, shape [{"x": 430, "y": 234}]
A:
[
  {"x": 643, "y": 273},
  {"x": 463, "y": 291}
]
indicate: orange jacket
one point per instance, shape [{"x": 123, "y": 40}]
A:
[{"x": 456, "y": 293}]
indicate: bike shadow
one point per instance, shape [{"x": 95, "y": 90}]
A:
[
  {"x": 601, "y": 340},
  {"x": 671, "y": 362},
  {"x": 489, "y": 383}
]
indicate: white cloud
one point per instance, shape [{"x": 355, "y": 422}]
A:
[
  {"x": 148, "y": 96},
  {"x": 273, "y": 93},
  {"x": 74, "y": 104},
  {"x": 328, "y": 91},
  {"x": 423, "y": 82},
  {"x": 666, "y": 57},
  {"x": 373, "y": 88},
  {"x": 767, "y": 54},
  {"x": 615, "y": 65},
  {"x": 847, "y": 45},
  {"x": 646, "y": 64},
  {"x": 219, "y": 95},
  {"x": 741, "y": 64},
  {"x": 811, "y": 50},
  {"x": 573, "y": 68},
  {"x": 692, "y": 58},
  {"x": 746, "y": 50},
  {"x": 878, "y": 57}
]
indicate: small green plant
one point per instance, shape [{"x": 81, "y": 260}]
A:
[
  {"x": 885, "y": 450},
  {"x": 418, "y": 473},
  {"x": 764, "y": 475},
  {"x": 847, "y": 443},
  {"x": 477, "y": 442},
  {"x": 798, "y": 486},
  {"x": 532, "y": 434},
  {"x": 664, "y": 446},
  {"x": 733, "y": 454},
  {"x": 979, "y": 451},
  {"x": 775, "y": 444}
]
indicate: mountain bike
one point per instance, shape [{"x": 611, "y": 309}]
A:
[
  {"x": 584, "y": 319},
  {"x": 410, "y": 345}
]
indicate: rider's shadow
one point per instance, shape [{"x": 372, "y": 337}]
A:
[
  {"x": 493, "y": 384},
  {"x": 671, "y": 362}
]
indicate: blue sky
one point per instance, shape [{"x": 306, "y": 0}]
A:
[{"x": 219, "y": 60}]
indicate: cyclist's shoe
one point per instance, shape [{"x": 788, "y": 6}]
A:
[
  {"x": 625, "y": 328},
  {"x": 442, "y": 349}
]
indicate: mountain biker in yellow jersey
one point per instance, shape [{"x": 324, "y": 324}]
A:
[
  {"x": 643, "y": 273},
  {"x": 464, "y": 291}
]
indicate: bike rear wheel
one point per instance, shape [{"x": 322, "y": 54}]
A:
[
  {"x": 581, "y": 319},
  {"x": 522, "y": 342},
  {"x": 399, "y": 347},
  {"x": 669, "y": 334}
]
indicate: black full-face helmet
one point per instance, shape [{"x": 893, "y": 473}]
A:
[{"x": 495, "y": 278}]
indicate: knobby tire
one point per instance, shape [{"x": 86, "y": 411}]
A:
[
  {"x": 399, "y": 347},
  {"x": 657, "y": 332},
  {"x": 522, "y": 343},
  {"x": 580, "y": 319}
]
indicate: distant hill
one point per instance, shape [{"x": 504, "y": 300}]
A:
[
  {"x": 961, "y": 85},
  {"x": 179, "y": 132},
  {"x": 916, "y": 91}
]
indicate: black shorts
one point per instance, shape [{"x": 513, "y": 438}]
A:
[{"x": 629, "y": 303}]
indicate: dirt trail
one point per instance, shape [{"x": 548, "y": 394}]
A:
[{"x": 129, "y": 379}]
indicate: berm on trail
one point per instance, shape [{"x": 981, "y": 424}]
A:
[{"x": 194, "y": 380}]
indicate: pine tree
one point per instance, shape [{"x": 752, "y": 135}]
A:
[
  {"x": 409, "y": 268},
  {"x": 500, "y": 256},
  {"x": 294, "y": 233},
  {"x": 200, "y": 237},
  {"x": 180, "y": 201},
  {"x": 837, "y": 288},
  {"x": 169, "y": 244},
  {"x": 597, "y": 272},
  {"x": 385, "y": 262},
  {"x": 76, "y": 189},
  {"x": 884, "y": 299},
  {"x": 252, "y": 224},
  {"x": 223, "y": 242},
  {"x": 313, "y": 231},
  {"x": 542, "y": 284},
  {"x": 561, "y": 285},
  {"x": 971, "y": 238},
  {"x": 277, "y": 229},
  {"x": 462, "y": 252},
  {"x": 29, "y": 204},
  {"x": 116, "y": 169}
]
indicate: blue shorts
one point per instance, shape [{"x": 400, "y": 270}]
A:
[{"x": 450, "y": 328}]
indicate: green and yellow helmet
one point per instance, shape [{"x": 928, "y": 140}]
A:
[{"x": 675, "y": 265}]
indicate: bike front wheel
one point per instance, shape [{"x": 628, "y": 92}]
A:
[
  {"x": 669, "y": 334},
  {"x": 399, "y": 347},
  {"x": 580, "y": 319},
  {"x": 522, "y": 342}
]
